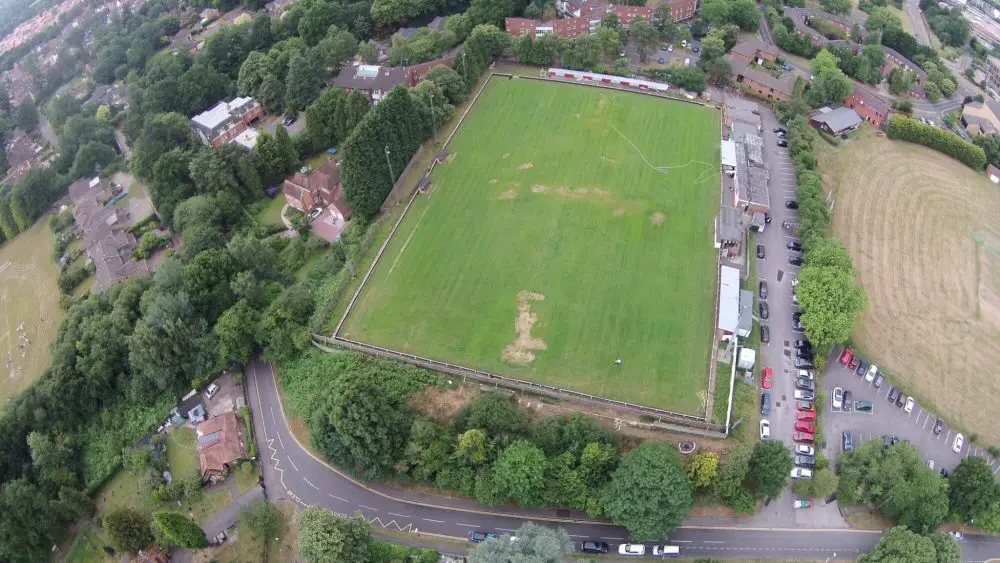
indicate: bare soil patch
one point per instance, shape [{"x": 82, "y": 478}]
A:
[
  {"x": 539, "y": 189},
  {"x": 521, "y": 351},
  {"x": 618, "y": 212},
  {"x": 509, "y": 194},
  {"x": 657, "y": 219},
  {"x": 922, "y": 231},
  {"x": 609, "y": 160},
  {"x": 441, "y": 404},
  {"x": 526, "y": 166},
  {"x": 494, "y": 181}
]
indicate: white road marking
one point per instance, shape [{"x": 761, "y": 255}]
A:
[
  {"x": 336, "y": 497},
  {"x": 610, "y": 538},
  {"x": 466, "y": 525},
  {"x": 293, "y": 463},
  {"x": 432, "y": 520},
  {"x": 310, "y": 483},
  {"x": 713, "y": 541},
  {"x": 400, "y": 515},
  {"x": 995, "y": 470},
  {"x": 926, "y": 420},
  {"x": 918, "y": 418},
  {"x": 680, "y": 541},
  {"x": 577, "y": 536},
  {"x": 368, "y": 508}
]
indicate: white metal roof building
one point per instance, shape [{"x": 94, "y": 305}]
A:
[
  {"x": 729, "y": 154},
  {"x": 607, "y": 79},
  {"x": 729, "y": 299}
]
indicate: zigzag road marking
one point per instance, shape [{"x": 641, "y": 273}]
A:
[{"x": 274, "y": 458}]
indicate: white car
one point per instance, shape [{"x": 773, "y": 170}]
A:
[
  {"x": 908, "y": 407},
  {"x": 806, "y": 373},
  {"x": 956, "y": 446},
  {"x": 212, "y": 390},
  {"x": 670, "y": 48},
  {"x": 870, "y": 376},
  {"x": 802, "y": 473},
  {"x": 632, "y": 549},
  {"x": 930, "y": 463},
  {"x": 957, "y": 535},
  {"x": 765, "y": 429},
  {"x": 666, "y": 551},
  {"x": 801, "y": 395},
  {"x": 838, "y": 397},
  {"x": 804, "y": 449},
  {"x": 684, "y": 43}
]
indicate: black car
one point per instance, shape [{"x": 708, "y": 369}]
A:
[
  {"x": 847, "y": 403},
  {"x": 696, "y": 48},
  {"x": 765, "y": 403},
  {"x": 791, "y": 204},
  {"x": 782, "y": 143},
  {"x": 805, "y": 461},
  {"x": 879, "y": 380},
  {"x": 795, "y": 260},
  {"x": 762, "y": 307},
  {"x": 765, "y": 334},
  {"x": 848, "y": 442},
  {"x": 762, "y": 289},
  {"x": 802, "y": 344},
  {"x": 289, "y": 120},
  {"x": 760, "y": 251},
  {"x": 938, "y": 426},
  {"x": 893, "y": 393},
  {"x": 805, "y": 384},
  {"x": 793, "y": 245},
  {"x": 804, "y": 353},
  {"x": 862, "y": 367},
  {"x": 594, "y": 547},
  {"x": 797, "y": 326},
  {"x": 900, "y": 400},
  {"x": 767, "y": 217},
  {"x": 780, "y": 130}
]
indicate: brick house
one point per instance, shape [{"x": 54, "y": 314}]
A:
[
  {"x": 226, "y": 120},
  {"x": 376, "y": 81},
  {"x": 870, "y": 107},
  {"x": 320, "y": 190},
  {"x": 220, "y": 445},
  {"x": 761, "y": 84},
  {"x": 753, "y": 51},
  {"x": 582, "y": 18}
]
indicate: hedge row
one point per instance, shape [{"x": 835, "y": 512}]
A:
[{"x": 907, "y": 129}]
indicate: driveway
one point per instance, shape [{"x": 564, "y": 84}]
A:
[{"x": 888, "y": 419}]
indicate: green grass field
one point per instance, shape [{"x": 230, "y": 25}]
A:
[{"x": 572, "y": 226}]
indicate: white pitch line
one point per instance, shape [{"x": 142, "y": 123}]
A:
[{"x": 714, "y": 541}]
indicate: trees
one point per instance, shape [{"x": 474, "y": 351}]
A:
[
  {"x": 160, "y": 134},
  {"x": 538, "y": 544},
  {"x": 28, "y": 522},
  {"x": 911, "y": 130},
  {"x": 519, "y": 473},
  {"x": 945, "y": 548},
  {"x": 822, "y": 485},
  {"x": 326, "y": 538},
  {"x": 200, "y": 87},
  {"x": 318, "y": 18},
  {"x": 702, "y": 470},
  {"x": 649, "y": 493},
  {"x": 128, "y": 529},
  {"x": 770, "y": 465},
  {"x": 274, "y": 156},
  {"x": 450, "y": 82},
  {"x": 831, "y": 300},
  {"x": 302, "y": 84},
  {"x": 643, "y": 35},
  {"x": 26, "y": 116},
  {"x": 972, "y": 489},
  {"x": 261, "y": 519},
  {"x": 837, "y": 6},
  {"x": 235, "y": 331},
  {"x": 173, "y": 528},
  {"x": 729, "y": 479},
  {"x": 900, "y": 544}
]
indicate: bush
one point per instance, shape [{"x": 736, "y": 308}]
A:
[
  {"x": 174, "y": 529},
  {"x": 906, "y": 129},
  {"x": 149, "y": 244},
  {"x": 70, "y": 278}
]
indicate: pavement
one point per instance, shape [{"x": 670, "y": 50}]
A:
[{"x": 912, "y": 10}]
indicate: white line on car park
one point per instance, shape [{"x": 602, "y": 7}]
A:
[{"x": 949, "y": 435}]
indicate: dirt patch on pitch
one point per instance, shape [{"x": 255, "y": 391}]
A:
[
  {"x": 618, "y": 212},
  {"x": 509, "y": 194},
  {"x": 506, "y": 155},
  {"x": 522, "y": 350},
  {"x": 657, "y": 219},
  {"x": 526, "y": 166},
  {"x": 609, "y": 160}
]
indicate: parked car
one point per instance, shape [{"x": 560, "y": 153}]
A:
[
  {"x": 847, "y": 441},
  {"x": 879, "y": 380},
  {"x": 795, "y": 260},
  {"x": 802, "y": 395},
  {"x": 801, "y": 473},
  {"x": 666, "y": 551},
  {"x": 803, "y": 363},
  {"x": 762, "y": 289},
  {"x": 870, "y": 374},
  {"x": 786, "y": 67},
  {"x": 805, "y": 461},
  {"x": 846, "y": 356},
  {"x": 765, "y": 403},
  {"x": 594, "y": 547},
  {"x": 780, "y": 129},
  {"x": 803, "y": 437},
  {"x": 289, "y": 120},
  {"x": 780, "y": 134},
  {"x": 805, "y": 406},
  {"x": 760, "y": 251},
  {"x": 212, "y": 390},
  {"x": 930, "y": 464},
  {"x": 862, "y": 368},
  {"x": 765, "y": 429},
  {"x": 696, "y": 48},
  {"x": 847, "y": 401},
  {"x": 806, "y": 416},
  {"x": 767, "y": 218},
  {"x": 899, "y": 400},
  {"x": 805, "y": 384},
  {"x": 853, "y": 364},
  {"x": 838, "y": 397},
  {"x": 782, "y": 143},
  {"x": 893, "y": 393},
  {"x": 797, "y": 325},
  {"x": 800, "y": 343},
  {"x": 806, "y": 373},
  {"x": 801, "y": 503},
  {"x": 957, "y": 535},
  {"x": 793, "y": 245},
  {"x": 803, "y": 353},
  {"x": 791, "y": 204},
  {"x": 956, "y": 446},
  {"x": 803, "y": 449},
  {"x": 938, "y": 426},
  {"x": 663, "y": 47},
  {"x": 802, "y": 426},
  {"x": 766, "y": 378},
  {"x": 632, "y": 549},
  {"x": 762, "y": 307},
  {"x": 908, "y": 407},
  {"x": 765, "y": 334},
  {"x": 479, "y": 536},
  {"x": 863, "y": 406}
]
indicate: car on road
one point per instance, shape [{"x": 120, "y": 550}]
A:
[
  {"x": 908, "y": 407},
  {"x": 767, "y": 378},
  {"x": 893, "y": 393},
  {"x": 760, "y": 251},
  {"x": 765, "y": 403},
  {"x": 838, "y": 397},
  {"x": 479, "y": 536},
  {"x": 956, "y": 446},
  {"x": 794, "y": 245},
  {"x": 957, "y": 535},
  {"x": 879, "y": 380},
  {"x": 803, "y": 437},
  {"x": 795, "y": 260},
  {"x": 666, "y": 551},
  {"x": 801, "y": 504},
  {"x": 801, "y": 473},
  {"x": 765, "y": 429},
  {"x": 782, "y": 143},
  {"x": 762, "y": 289},
  {"x": 847, "y": 441},
  {"x": 805, "y": 406},
  {"x": 805, "y": 384},
  {"x": 791, "y": 204},
  {"x": 846, "y": 356},
  {"x": 804, "y": 449},
  {"x": 765, "y": 334},
  {"x": 807, "y": 416},
  {"x": 801, "y": 395},
  {"x": 870, "y": 374},
  {"x": 594, "y": 547},
  {"x": 938, "y": 426},
  {"x": 862, "y": 368},
  {"x": 847, "y": 401},
  {"x": 802, "y": 426},
  {"x": 762, "y": 307},
  {"x": 805, "y": 461},
  {"x": 632, "y": 549}
]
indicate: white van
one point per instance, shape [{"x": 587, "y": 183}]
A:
[{"x": 666, "y": 551}]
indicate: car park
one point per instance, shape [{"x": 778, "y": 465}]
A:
[
  {"x": 893, "y": 393},
  {"x": 801, "y": 473},
  {"x": 804, "y": 449},
  {"x": 938, "y": 426},
  {"x": 767, "y": 378},
  {"x": 802, "y": 426},
  {"x": 594, "y": 547},
  {"x": 870, "y": 374},
  {"x": 762, "y": 289},
  {"x": 765, "y": 429},
  {"x": 765, "y": 403},
  {"x": 765, "y": 334},
  {"x": 838, "y": 397},
  {"x": 847, "y": 441},
  {"x": 479, "y": 536},
  {"x": 795, "y": 260},
  {"x": 791, "y": 204},
  {"x": 803, "y": 437},
  {"x": 762, "y": 308},
  {"x": 632, "y": 549},
  {"x": 908, "y": 407},
  {"x": 807, "y": 416},
  {"x": 862, "y": 368},
  {"x": 956, "y": 446},
  {"x": 794, "y": 245},
  {"x": 801, "y": 395},
  {"x": 846, "y": 356},
  {"x": 805, "y": 461},
  {"x": 760, "y": 251}
]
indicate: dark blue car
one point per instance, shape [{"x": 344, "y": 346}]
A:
[
  {"x": 479, "y": 536},
  {"x": 862, "y": 368}
]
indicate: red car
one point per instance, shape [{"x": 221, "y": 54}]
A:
[
  {"x": 805, "y": 427},
  {"x": 853, "y": 365},
  {"x": 805, "y": 406},
  {"x": 807, "y": 415},
  {"x": 765, "y": 381},
  {"x": 802, "y": 437},
  {"x": 845, "y": 358}
]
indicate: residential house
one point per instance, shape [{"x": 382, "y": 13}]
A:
[
  {"x": 190, "y": 408},
  {"x": 320, "y": 189},
  {"x": 835, "y": 121},
  {"x": 761, "y": 84},
  {"x": 226, "y": 120},
  {"x": 582, "y": 18},
  {"x": 220, "y": 445},
  {"x": 805, "y": 21},
  {"x": 870, "y": 107},
  {"x": 107, "y": 95},
  {"x": 893, "y": 59},
  {"x": 376, "y": 81},
  {"x": 993, "y": 173},
  {"x": 980, "y": 118},
  {"x": 753, "y": 51}
]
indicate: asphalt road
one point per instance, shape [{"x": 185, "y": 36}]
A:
[
  {"x": 912, "y": 10},
  {"x": 291, "y": 472}
]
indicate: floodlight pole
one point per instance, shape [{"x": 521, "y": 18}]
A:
[{"x": 388, "y": 163}]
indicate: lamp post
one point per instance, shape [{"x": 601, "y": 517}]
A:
[
  {"x": 392, "y": 178},
  {"x": 465, "y": 70}
]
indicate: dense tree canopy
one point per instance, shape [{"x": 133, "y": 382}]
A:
[{"x": 649, "y": 493}]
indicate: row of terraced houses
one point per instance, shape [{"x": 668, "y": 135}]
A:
[{"x": 582, "y": 18}]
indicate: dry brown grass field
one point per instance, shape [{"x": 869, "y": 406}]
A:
[{"x": 924, "y": 233}]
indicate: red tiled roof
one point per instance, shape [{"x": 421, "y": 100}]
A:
[{"x": 220, "y": 443}]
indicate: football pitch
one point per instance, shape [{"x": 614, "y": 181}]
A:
[{"x": 570, "y": 226}]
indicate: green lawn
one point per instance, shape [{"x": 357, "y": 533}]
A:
[
  {"x": 271, "y": 213},
  {"x": 88, "y": 547},
  {"x": 597, "y": 209}
]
